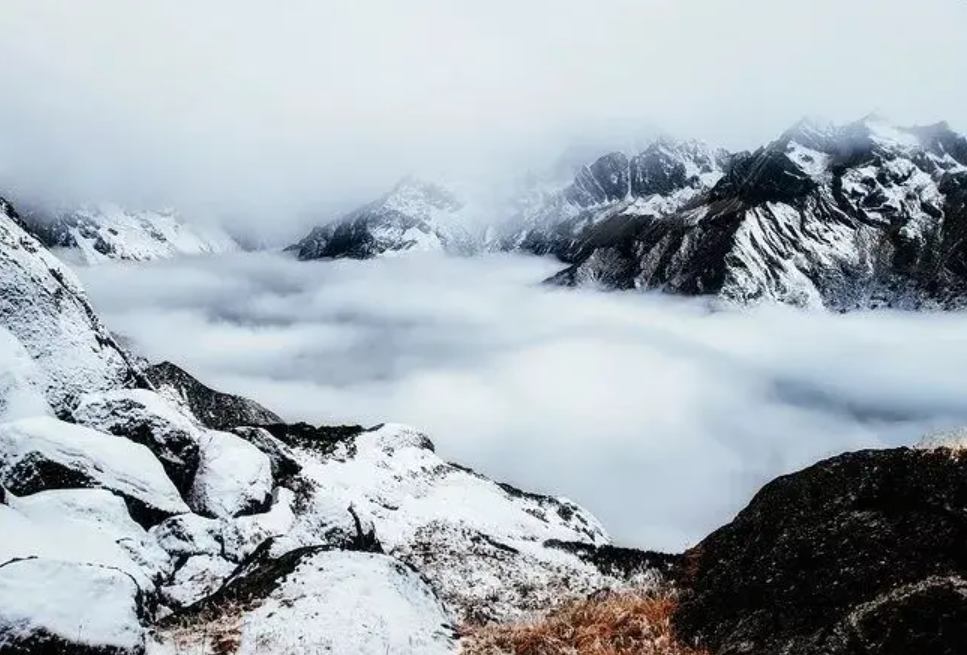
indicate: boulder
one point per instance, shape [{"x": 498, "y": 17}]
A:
[
  {"x": 44, "y": 453},
  {"x": 50, "y": 607},
  {"x": 233, "y": 478},
  {"x": 146, "y": 418},
  {"x": 861, "y": 553}
]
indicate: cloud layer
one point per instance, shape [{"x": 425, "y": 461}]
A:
[
  {"x": 657, "y": 414},
  {"x": 254, "y": 109}
]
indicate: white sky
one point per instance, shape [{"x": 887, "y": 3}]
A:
[{"x": 267, "y": 107}]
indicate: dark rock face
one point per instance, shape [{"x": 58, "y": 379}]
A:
[
  {"x": 216, "y": 410},
  {"x": 323, "y": 439},
  {"x": 862, "y": 553}
]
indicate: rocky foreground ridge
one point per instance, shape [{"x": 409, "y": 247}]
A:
[{"x": 143, "y": 512}]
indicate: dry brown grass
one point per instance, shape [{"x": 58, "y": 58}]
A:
[{"x": 608, "y": 624}]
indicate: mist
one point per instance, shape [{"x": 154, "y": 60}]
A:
[
  {"x": 661, "y": 415},
  {"x": 265, "y": 114}
]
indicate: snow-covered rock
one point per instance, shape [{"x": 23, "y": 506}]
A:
[
  {"x": 187, "y": 535},
  {"x": 319, "y": 601},
  {"x": 44, "y": 453},
  {"x": 198, "y": 577},
  {"x": 233, "y": 478},
  {"x": 413, "y": 216},
  {"x": 22, "y": 382},
  {"x": 43, "y": 305},
  {"x": 148, "y": 419},
  {"x": 86, "y": 526},
  {"x": 49, "y": 606},
  {"x": 284, "y": 461},
  {"x": 450, "y": 523},
  {"x": 216, "y": 410},
  {"x": 103, "y": 232}
]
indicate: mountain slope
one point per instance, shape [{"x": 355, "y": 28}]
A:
[
  {"x": 864, "y": 215},
  {"x": 104, "y": 232},
  {"x": 44, "y": 307},
  {"x": 413, "y": 216}
]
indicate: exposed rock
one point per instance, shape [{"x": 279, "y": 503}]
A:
[
  {"x": 44, "y": 453},
  {"x": 43, "y": 305},
  {"x": 284, "y": 462},
  {"x": 324, "y": 439},
  {"x": 216, "y": 410},
  {"x": 146, "y": 418},
  {"x": 862, "y": 553},
  {"x": 233, "y": 478},
  {"x": 49, "y": 607}
]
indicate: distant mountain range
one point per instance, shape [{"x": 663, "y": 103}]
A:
[
  {"x": 852, "y": 216},
  {"x": 96, "y": 233}
]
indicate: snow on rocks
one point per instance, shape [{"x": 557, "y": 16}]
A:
[
  {"x": 453, "y": 524},
  {"x": 85, "y": 526},
  {"x": 198, "y": 577},
  {"x": 146, "y": 418},
  {"x": 341, "y": 602},
  {"x": 21, "y": 381},
  {"x": 187, "y": 535},
  {"x": 44, "y": 453},
  {"x": 49, "y": 606},
  {"x": 43, "y": 305},
  {"x": 233, "y": 478},
  {"x": 284, "y": 462}
]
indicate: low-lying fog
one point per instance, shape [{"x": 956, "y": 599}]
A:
[{"x": 661, "y": 417}]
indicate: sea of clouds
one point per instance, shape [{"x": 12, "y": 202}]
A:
[{"x": 659, "y": 414}]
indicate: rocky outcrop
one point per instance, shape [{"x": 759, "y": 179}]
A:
[
  {"x": 341, "y": 602},
  {"x": 862, "y": 553},
  {"x": 44, "y": 307},
  {"x": 44, "y": 453},
  {"x": 215, "y": 410},
  {"x": 144, "y": 417}
]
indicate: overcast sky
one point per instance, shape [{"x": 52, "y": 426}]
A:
[{"x": 268, "y": 107}]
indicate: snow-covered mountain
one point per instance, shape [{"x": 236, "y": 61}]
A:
[
  {"x": 414, "y": 216},
  {"x": 156, "y": 516},
  {"x": 854, "y": 216},
  {"x": 97, "y": 233},
  {"x": 846, "y": 217}
]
